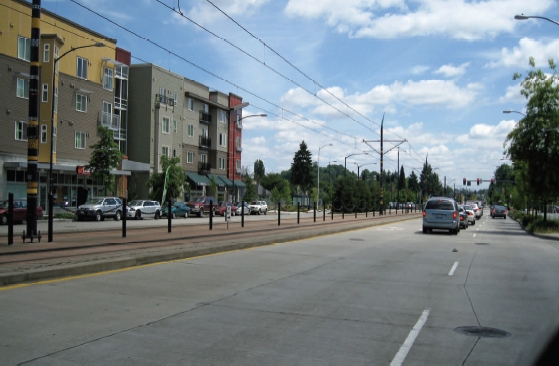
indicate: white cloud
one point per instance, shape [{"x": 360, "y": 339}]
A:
[
  {"x": 518, "y": 56},
  {"x": 451, "y": 70},
  {"x": 419, "y": 69},
  {"x": 204, "y": 13},
  {"x": 513, "y": 95},
  {"x": 460, "y": 19}
]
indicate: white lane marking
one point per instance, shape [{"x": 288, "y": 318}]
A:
[
  {"x": 405, "y": 348},
  {"x": 453, "y": 269}
]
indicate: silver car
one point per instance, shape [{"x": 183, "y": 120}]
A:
[
  {"x": 100, "y": 208},
  {"x": 471, "y": 214},
  {"x": 441, "y": 213}
]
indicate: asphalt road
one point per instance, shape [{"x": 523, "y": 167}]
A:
[{"x": 386, "y": 294}]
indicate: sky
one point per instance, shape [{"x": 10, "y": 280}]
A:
[{"x": 439, "y": 73}]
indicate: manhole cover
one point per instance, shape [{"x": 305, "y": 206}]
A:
[
  {"x": 484, "y": 332},
  {"x": 356, "y": 239}
]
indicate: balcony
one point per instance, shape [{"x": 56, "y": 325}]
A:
[
  {"x": 239, "y": 149},
  {"x": 205, "y": 118},
  {"x": 205, "y": 143},
  {"x": 163, "y": 100},
  {"x": 239, "y": 125},
  {"x": 112, "y": 121},
  {"x": 204, "y": 168}
]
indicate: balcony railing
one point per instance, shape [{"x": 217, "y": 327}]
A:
[
  {"x": 121, "y": 103},
  {"x": 204, "y": 168},
  {"x": 112, "y": 121},
  {"x": 239, "y": 149},
  {"x": 205, "y": 118},
  {"x": 239, "y": 125},
  {"x": 163, "y": 99},
  {"x": 205, "y": 142}
]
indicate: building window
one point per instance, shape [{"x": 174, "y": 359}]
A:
[
  {"x": 55, "y": 98},
  {"x": 81, "y": 70},
  {"x": 222, "y": 116},
  {"x": 189, "y": 157},
  {"x": 238, "y": 165},
  {"x": 79, "y": 140},
  {"x": 190, "y": 130},
  {"x": 174, "y": 153},
  {"x": 108, "y": 78},
  {"x": 22, "y": 88},
  {"x": 24, "y": 48},
  {"x": 45, "y": 94},
  {"x": 21, "y": 131},
  {"x": 204, "y": 158},
  {"x": 222, "y": 139},
  {"x": 56, "y": 51},
  {"x": 54, "y": 138},
  {"x": 43, "y": 134},
  {"x": 175, "y": 126},
  {"x": 165, "y": 125},
  {"x": 222, "y": 163},
  {"x": 175, "y": 98},
  {"x": 204, "y": 132},
  {"x": 46, "y": 52},
  {"x": 190, "y": 104},
  {"x": 165, "y": 151},
  {"x": 81, "y": 103},
  {"x": 238, "y": 141},
  {"x": 206, "y": 108}
]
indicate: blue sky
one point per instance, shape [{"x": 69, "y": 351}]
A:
[{"x": 325, "y": 71}]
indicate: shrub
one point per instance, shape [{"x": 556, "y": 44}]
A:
[{"x": 540, "y": 226}]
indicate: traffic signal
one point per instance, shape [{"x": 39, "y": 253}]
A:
[
  {"x": 478, "y": 181},
  {"x": 492, "y": 180},
  {"x": 464, "y": 181}
]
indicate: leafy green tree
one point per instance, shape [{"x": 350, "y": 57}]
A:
[
  {"x": 534, "y": 141},
  {"x": 276, "y": 195},
  {"x": 250, "y": 193},
  {"x": 176, "y": 180},
  {"x": 286, "y": 192},
  {"x": 212, "y": 188},
  {"x": 301, "y": 168},
  {"x": 105, "y": 157},
  {"x": 259, "y": 170},
  {"x": 271, "y": 180}
]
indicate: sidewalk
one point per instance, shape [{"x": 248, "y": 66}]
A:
[{"x": 82, "y": 252}]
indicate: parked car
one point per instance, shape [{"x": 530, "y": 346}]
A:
[
  {"x": 178, "y": 209},
  {"x": 441, "y": 213},
  {"x": 201, "y": 205},
  {"x": 471, "y": 214},
  {"x": 222, "y": 208},
  {"x": 140, "y": 208},
  {"x": 463, "y": 217},
  {"x": 240, "y": 208},
  {"x": 258, "y": 207},
  {"x": 100, "y": 208},
  {"x": 20, "y": 211},
  {"x": 499, "y": 211}
]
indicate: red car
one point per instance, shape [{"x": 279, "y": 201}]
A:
[
  {"x": 222, "y": 208},
  {"x": 20, "y": 211}
]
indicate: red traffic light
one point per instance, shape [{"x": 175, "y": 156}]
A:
[
  {"x": 492, "y": 180},
  {"x": 478, "y": 181},
  {"x": 464, "y": 181}
]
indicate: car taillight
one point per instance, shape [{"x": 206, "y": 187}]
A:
[
  {"x": 461, "y": 218},
  {"x": 424, "y": 213},
  {"x": 454, "y": 214}
]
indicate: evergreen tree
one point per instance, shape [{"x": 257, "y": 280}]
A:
[
  {"x": 259, "y": 170},
  {"x": 301, "y": 168},
  {"x": 104, "y": 157}
]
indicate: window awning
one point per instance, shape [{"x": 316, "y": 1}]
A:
[
  {"x": 218, "y": 181},
  {"x": 197, "y": 179},
  {"x": 227, "y": 181},
  {"x": 240, "y": 184}
]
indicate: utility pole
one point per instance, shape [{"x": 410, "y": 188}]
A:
[{"x": 381, "y": 153}]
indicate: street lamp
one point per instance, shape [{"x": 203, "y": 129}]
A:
[
  {"x": 318, "y": 170},
  {"x": 359, "y": 166},
  {"x": 525, "y": 17},
  {"x": 51, "y": 194},
  {"x": 345, "y": 160},
  {"x": 235, "y": 147},
  {"x": 509, "y": 111}
]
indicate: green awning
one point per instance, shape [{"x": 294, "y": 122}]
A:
[
  {"x": 218, "y": 181},
  {"x": 240, "y": 184},
  {"x": 227, "y": 181},
  {"x": 197, "y": 179}
]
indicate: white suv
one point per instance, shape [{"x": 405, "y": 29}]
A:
[
  {"x": 258, "y": 207},
  {"x": 140, "y": 208}
]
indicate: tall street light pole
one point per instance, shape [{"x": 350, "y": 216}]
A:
[
  {"x": 318, "y": 171},
  {"x": 509, "y": 111},
  {"x": 53, "y": 105},
  {"x": 359, "y": 166},
  {"x": 345, "y": 160},
  {"x": 235, "y": 148},
  {"x": 525, "y": 17}
]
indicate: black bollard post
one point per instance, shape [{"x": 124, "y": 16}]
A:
[
  {"x": 298, "y": 206},
  {"x": 211, "y": 215},
  {"x": 323, "y": 211},
  {"x": 355, "y": 212},
  {"x": 10, "y": 219},
  {"x": 314, "y": 210},
  {"x": 279, "y": 211},
  {"x": 169, "y": 215},
  {"x": 51, "y": 216},
  {"x": 243, "y": 214},
  {"x": 124, "y": 214}
]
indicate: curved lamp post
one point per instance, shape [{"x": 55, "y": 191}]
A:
[
  {"x": 318, "y": 171},
  {"x": 359, "y": 166},
  {"x": 509, "y": 111},
  {"x": 235, "y": 148},
  {"x": 345, "y": 160},
  {"x": 50, "y": 193},
  {"x": 525, "y": 17}
]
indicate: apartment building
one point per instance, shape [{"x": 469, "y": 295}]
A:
[
  {"x": 83, "y": 84},
  {"x": 178, "y": 117}
]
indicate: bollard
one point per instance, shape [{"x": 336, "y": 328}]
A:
[
  {"x": 169, "y": 215},
  {"x": 124, "y": 214},
  {"x": 279, "y": 210},
  {"x": 355, "y": 212},
  {"x": 51, "y": 213},
  {"x": 211, "y": 215},
  {"x": 323, "y": 211},
  {"x": 298, "y": 206},
  {"x": 314, "y": 212},
  {"x": 10, "y": 219},
  {"x": 332, "y": 211},
  {"x": 243, "y": 214}
]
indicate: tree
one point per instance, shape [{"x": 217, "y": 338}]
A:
[
  {"x": 259, "y": 170},
  {"x": 212, "y": 189},
  {"x": 534, "y": 142},
  {"x": 402, "y": 179},
  {"x": 104, "y": 157},
  {"x": 176, "y": 180},
  {"x": 301, "y": 168},
  {"x": 250, "y": 193},
  {"x": 413, "y": 182}
]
